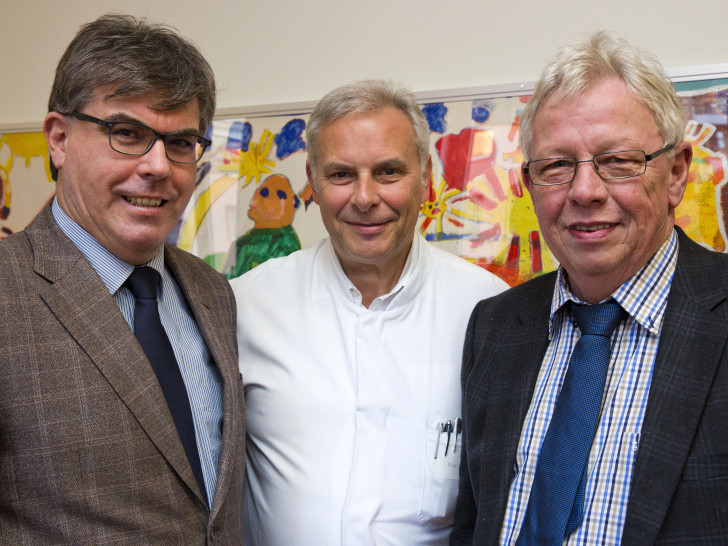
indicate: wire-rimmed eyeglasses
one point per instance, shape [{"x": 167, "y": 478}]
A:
[
  {"x": 131, "y": 138},
  {"x": 555, "y": 171}
]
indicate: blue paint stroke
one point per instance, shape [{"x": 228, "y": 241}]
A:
[
  {"x": 289, "y": 139},
  {"x": 480, "y": 114},
  {"x": 202, "y": 171},
  {"x": 482, "y": 110},
  {"x": 239, "y": 136},
  {"x": 435, "y": 114}
]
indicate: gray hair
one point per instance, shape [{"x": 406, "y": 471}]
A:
[
  {"x": 580, "y": 64},
  {"x": 134, "y": 58},
  {"x": 363, "y": 97}
]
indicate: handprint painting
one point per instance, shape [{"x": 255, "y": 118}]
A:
[
  {"x": 703, "y": 212},
  {"x": 252, "y": 201}
]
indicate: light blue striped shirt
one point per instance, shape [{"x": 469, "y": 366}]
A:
[
  {"x": 200, "y": 375},
  {"x": 614, "y": 450}
]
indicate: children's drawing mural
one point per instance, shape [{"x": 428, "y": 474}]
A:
[
  {"x": 25, "y": 179},
  {"x": 253, "y": 201}
]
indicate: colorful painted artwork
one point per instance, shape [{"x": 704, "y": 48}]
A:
[
  {"x": 253, "y": 202},
  {"x": 25, "y": 179}
]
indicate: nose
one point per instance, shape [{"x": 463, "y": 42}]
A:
[
  {"x": 366, "y": 192},
  {"x": 155, "y": 163},
  {"x": 587, "y": 186}
]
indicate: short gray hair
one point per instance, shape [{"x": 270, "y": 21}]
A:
[
  {"x": 580, "y": 64},
  {"x": 134, "y": 58},
  {"x": 364, "y": 97}
]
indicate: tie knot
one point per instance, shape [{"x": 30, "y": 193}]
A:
[
  {"x": 143, "y": 283},
  {"x": 598, "y": 320}
]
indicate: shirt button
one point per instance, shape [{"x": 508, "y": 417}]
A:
[{"x": 212, "y": 533}]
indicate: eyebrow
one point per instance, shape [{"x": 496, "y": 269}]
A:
[
  {"x": 395, "y": 163},
  {"x": 126, "y": 118},
  {"x": 616, "y": 145},
  {"x": 385, "y": 164}
]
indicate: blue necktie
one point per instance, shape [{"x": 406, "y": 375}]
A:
[
  {"x": 154, "y": 341},
  {"x": 556, "y": 505}
]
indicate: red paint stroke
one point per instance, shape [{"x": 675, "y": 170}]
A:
[
  {"x": 683, "y": 221},
  {"x": 455, "y": 222},
  {"x": 717, "y": 164},
  {"x": 491, "y": 234},
  {"x": 306, "y": 195},
  {"x": 514, "y": 180},
  {"x": 515, "y": 127},
  {"x": 459, "y": 166},
  {"x": 513, "y": 251},
  {"x": 535, "y": 240},
  {"x": 495, "y": 184},
  {"x": 481, "y": 199}
]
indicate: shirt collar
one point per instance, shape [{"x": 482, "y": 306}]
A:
[
  {"x": 643, "y": 296},
  {"x": 112, "y": 270},
  {"x": 410, "y": 280}
]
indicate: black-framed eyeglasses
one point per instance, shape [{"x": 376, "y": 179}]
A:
[
  {"x": 555, "y": 171},
  {"x": 131, "y": 138}
]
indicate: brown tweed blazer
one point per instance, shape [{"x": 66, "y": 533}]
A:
[{"x": 89, "y": 453}]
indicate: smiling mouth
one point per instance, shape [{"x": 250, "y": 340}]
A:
[
  {"x": 595, "y": 227},
  {"x": 144, "y": 201}
]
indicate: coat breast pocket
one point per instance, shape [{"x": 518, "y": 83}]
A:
[{"x": 441, "y": 472}]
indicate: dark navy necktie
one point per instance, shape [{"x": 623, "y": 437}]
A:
[
  {"x": 556, "y": 504},
  {"x": 154, "y": 341}
]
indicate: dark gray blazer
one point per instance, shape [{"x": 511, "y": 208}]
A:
[
  {"x": 88, "y": 449},
  {"x": 679, "y": 491}
]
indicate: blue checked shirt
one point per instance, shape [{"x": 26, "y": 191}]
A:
[
  {"x": 200, "y": 375},
  {"x": 613, "y": 453}
]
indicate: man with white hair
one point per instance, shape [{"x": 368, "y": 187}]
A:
[{"x": 595, "y": 397}]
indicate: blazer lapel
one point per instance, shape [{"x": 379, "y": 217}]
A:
[
  {"x": 80, "y": 301},
  {"x": 510, "y": 376},
  {"x": 694, "y": 334},
  {"x": 213, "y": 330}
]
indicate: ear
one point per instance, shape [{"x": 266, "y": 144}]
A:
[
  {"x": 309, "y": 175},
  {"x": 426, "y": 178},
  {"x": 679, "y": 173},
  {"x": 525, "y": 178},
  {"x": 55, "y": 129}
]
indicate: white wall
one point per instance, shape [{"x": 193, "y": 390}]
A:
[{"x": 283, "y": 51}]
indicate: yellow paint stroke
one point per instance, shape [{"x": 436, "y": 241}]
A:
[
  {"x": 699, "y": 213},
  {"x": 26, "y": 146},
  {"x": 202, "y": 207},
  {"x": 253, "y": 163},
  {"x": 435, "y": 209}
]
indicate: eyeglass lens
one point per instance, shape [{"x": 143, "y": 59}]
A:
[
  {"x": 129, "y": 138},
  {"x": 611, "y": 165}
]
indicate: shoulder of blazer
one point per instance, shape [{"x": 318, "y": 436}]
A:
[
  {"x": 199, "y": 282},
  {"x": 701, "y": 274},
  {"x": 524, "y": 303}
]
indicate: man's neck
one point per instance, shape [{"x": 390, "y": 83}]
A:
[{"x": 373, "y": 280}]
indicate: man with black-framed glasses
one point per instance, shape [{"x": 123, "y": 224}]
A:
[
  {"x": 122, "y": 412},
  {"x": 595, "y": 397}
]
